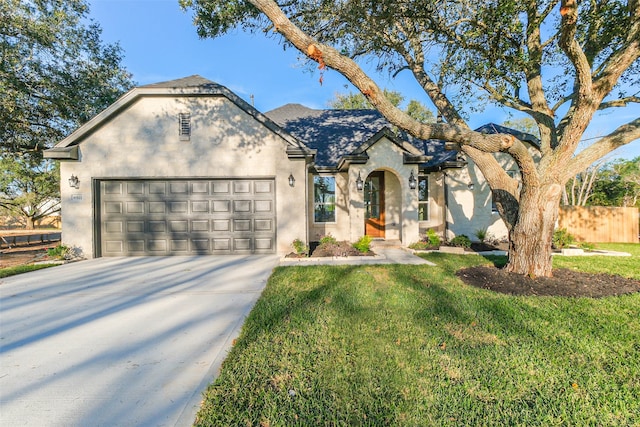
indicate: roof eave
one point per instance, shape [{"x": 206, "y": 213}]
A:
[{"x": 62, "y": 153}]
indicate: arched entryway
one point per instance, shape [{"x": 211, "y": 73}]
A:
[
  {"x": 374, "y": 200},
  {"x": 382, "y": 205}
]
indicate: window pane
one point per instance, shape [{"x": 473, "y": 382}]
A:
[
  {"x": 423, "y": 188},
  {"x": 324, "y": 190},
  {"x": 423, "y": 211}
]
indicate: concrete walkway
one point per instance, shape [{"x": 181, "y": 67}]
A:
[
  {"x": 120, "y": 341},
  {"x": 384, "y": 255}
]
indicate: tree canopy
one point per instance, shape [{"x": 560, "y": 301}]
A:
[
  {"x": 357, "y": 101},
  {"x": 557, "y": 61},
  {"x": 56, "y": 74}
]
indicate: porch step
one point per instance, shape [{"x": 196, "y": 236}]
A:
[{"x": 382, "y": 244}]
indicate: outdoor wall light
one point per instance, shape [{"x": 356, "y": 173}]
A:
[
  {"x": 413, "y": 182},
  {"x": 74, "y": 182},
  {"x": 470, "y": 185},
  {"x": 359, "y": 183},
  {"x": 292, "y": 180}
]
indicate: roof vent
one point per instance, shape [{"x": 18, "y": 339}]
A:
[{"x": 184, "y": 126}]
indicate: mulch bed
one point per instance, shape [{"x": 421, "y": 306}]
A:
[
  {"x": 23, "y": 255},
  {"x": 565, "y": 282}
]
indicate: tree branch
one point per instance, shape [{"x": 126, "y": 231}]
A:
[
  {"x": 327, "y": 56},
  {"x": 622, "y": 102},
  {"x": 621, "y": 136}
]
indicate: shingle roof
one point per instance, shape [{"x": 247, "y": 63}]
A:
[
  {"x": 338, "y": 133},
  {"x": 334, "y": 133},
  {"x": 185, "y": 82}
]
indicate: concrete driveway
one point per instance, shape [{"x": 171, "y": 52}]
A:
[{"x": 120, "y": 341}]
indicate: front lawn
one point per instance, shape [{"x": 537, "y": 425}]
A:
[
  {"x": 12, "y": 271},
  {"x": 413, "y": 345}
]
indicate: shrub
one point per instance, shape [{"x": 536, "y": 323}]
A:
[
  {"x": 328, "y": 239},
  {"x": 587, "y": 246},
  {"x": 462, "y": 241},
  {"x": 419, "y": 246},
  {"x": 299, "y": 247},
  {"x": 58, "y": 252},
  {"x": 432, "y": 238},
  {"x": 562, "y": 238},
  {"x": 481, "y": 234},
  {"x": 363, "y": 244}
]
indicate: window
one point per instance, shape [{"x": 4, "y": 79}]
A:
[
  {"x": 494, "y": 207},
  {"x": 184, "y": 126},
  {"x": 324, "y": 190},
  {"x": 423, "y": 198}
]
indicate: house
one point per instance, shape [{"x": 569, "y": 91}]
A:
[{"x": 187, "y": 167}]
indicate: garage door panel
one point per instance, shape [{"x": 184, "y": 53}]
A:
[
  {"x": 180, "y": 246},
  {"x": 135, "y": 246},
  {"x": 135, "y": 187},
  {"x": 221, "y": 225},
  {"x": 221, "y": 205},
  {"x": 135, "y": 207},
  {"x": 135, "y": 226},
  {"x": 264, "y": 244},
  {"x": 263, "y": 225},
  {"x": 241, "y": 187},
  {"x": 200, "y": 206},
  {"x": 221, "y": 187},
  {"x": 179, "y": 226},
  {"x": 182, "y": 216}
]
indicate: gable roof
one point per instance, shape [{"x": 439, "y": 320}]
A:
[
  {"x": 191, "y": 86},
  {"x": 337, "y": 135}
]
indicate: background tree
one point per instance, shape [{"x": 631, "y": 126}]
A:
[
  {"x": 357, "y": 101},
  {"x": 56, "y": 74},
  {"x": 618, "y": 184},
  {"x": 579, "y": 189},
  {"x": 558, "y": 62},
  {"x": 28, "y": 186}
]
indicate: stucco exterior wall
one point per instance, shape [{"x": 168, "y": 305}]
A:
[
  {"x": 142, "y": 141},
  {"x": 401, "y": 207},
  {"x": 470, "y": 210},
  {"x": 340, "y": 228},
  {"x": 436, "y": 205}
]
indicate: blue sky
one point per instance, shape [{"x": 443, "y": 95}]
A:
[{"x": 160, "y": 43}]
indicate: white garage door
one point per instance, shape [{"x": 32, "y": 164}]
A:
[{"x": 186, "y": 216}]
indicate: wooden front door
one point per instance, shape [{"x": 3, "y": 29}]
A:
[{"x": 374, "y": 205}]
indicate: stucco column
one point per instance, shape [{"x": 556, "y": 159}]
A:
[{"x": 356, "y": 203}]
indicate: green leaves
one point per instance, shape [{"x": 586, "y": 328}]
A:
[{"x": 56, "y": 72}]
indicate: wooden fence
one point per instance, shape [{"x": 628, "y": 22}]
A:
[{"x": 600, "y": 224}]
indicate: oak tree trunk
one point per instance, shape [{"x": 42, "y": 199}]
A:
[
  {"x": 531, "y": 236},
  {"x": 31, "y": 224}
]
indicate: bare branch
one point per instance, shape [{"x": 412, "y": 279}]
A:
[
  {"x": 622, "y": 102},
  {"x": 327, "y": 56},
  {"x": 621, "y": 136}
]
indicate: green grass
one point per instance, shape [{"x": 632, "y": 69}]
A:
[
  {"x": 412, "y": 345},
  {"x": 622, "y": 266},
  {"x": 12, "y": 271}
]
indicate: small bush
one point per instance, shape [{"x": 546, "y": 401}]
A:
[
  {"x": 562, "y": 238},
  {"x": 587, "y": 246},
  {"x": 432, "y": 238},
  {"x": 419, "y": 246},
  {"x": 481, "y": 234},
  {"x": 299, "y": 247},
  {"x": 363, "y": 244},
  {"x": 58, "y": 252},
  {"x": 461, "y": 241},
  {"x": 328, "y": 239}
]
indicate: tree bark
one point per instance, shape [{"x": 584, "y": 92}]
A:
[
  {"x": 31, "y": 224},
  {"x": 531, "y": 237}
]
